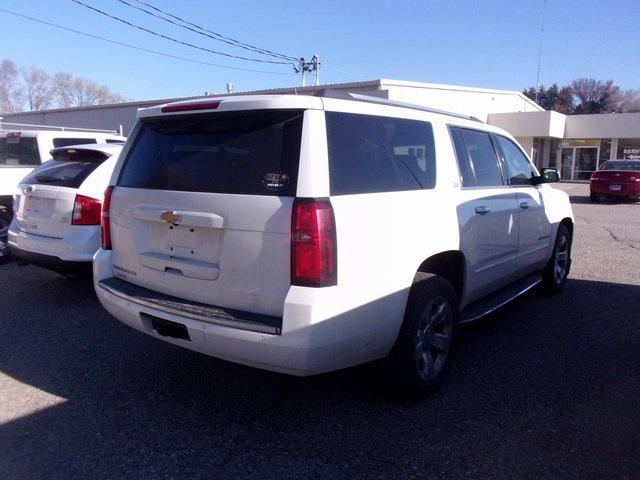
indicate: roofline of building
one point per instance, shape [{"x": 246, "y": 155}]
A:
[
  {"x": 147, "y": 103},
  {"x": 378, "y": 84},
  {"x": 458, "y": 88}
]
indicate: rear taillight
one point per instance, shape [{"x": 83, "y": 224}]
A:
[
  {"x": 313, "y": 243},
  {"x": 86, "y": 211},
  {"x": 104, "y": 219}
]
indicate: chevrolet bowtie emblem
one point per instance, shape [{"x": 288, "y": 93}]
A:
[{"x": 171, "y": 217}]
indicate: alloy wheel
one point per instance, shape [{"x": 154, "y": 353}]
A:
[
  {"x": 561, "y": 259},
  {"x": 435, "y": 333},
  {"x": 4, "y": 232}
]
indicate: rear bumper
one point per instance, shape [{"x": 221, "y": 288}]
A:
[
  {"x": 626, "y": 189},
  {"x": 50, "y": 262},
  {"x": 314, "y": 338},
  {"x": 78, "y": 245}
]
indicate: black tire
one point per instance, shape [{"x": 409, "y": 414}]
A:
[
  {"x": 422, "y": 354},
  {"x": 557, "y": 269},
  {"x": 594, "y": 197},
  {"x": 5, "y": 221}
]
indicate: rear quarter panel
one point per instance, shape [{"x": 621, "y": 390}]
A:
[{"x": 382, "y": 240}]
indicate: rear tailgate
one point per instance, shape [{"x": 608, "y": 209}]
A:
[
  {"x": 43, "y": 209},
  {"x": 202, "y": 207}
]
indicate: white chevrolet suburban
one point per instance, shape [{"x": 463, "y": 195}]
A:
[
  {"x": 306, "y": 234},
  {"x": 23, "y": 150}
]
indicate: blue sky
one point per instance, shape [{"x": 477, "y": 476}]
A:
[{"x": 490, "y": 43}]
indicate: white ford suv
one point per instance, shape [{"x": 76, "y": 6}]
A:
[
  {"x": 57, "y": 208},
  {"x": 307, "y": 234}
]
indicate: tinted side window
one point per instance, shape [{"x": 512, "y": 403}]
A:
[
  {"x": 65, "y": 142},
  {"x": 518, "y": 167},
  {"x": 379, "y": 154},
  {"x": 484, "y": 158},
  {"x": 464, "y": 161},
  {"x": 19, "y": 151}
]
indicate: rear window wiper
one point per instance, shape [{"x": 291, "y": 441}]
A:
[{"x": 49, "y": 179}]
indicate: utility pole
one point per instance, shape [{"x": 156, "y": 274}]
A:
[
  {"x": 312, "y": 66},
  {"x": 315, "y": 66},
  {"x": 302, "y": 68}
]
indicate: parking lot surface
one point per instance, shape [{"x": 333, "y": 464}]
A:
[{"x": 547, "y": 387}]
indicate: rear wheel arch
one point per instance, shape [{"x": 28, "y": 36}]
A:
[
  {"x": 567, "y": 222},
  {"x": 449, "y": 265}
]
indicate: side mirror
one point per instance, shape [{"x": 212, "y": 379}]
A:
[{"x": 549, "y": 175}]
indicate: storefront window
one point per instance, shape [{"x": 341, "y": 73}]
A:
[
  {"x": 585, "y": 162},
  {"x": 628, "y": 148},
  {"x": 605, "y": 151},
  {"x": 555, "y": 155}
]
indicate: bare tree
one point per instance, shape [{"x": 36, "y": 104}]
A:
[
  {"x": 76, "y": 92},
  {"x": 594, "y": 96},
  {"x": 627, "y": 101},
  {"x": 39, "y": 90},
  {"x": 11, "y": 93},
  {"x": 61, "y": 84}
]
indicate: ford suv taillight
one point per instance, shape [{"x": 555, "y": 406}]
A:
[
  {"x": 104, "y": 219},
  {"x": 86, "y": 211},
  {"x": 313, "y": 243}
]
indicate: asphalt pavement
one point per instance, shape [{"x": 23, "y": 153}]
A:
[{"x": 548, "y": 387}]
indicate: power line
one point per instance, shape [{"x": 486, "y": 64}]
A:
[
  {"x": 166, "y": 37},
  {"x": 205, "y": 32},
  {"x": 155, "y": 52}
]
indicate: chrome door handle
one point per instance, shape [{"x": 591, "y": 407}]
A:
[
  {"x": 524, "y": 205},
  {"x": 482, "y": 210}
]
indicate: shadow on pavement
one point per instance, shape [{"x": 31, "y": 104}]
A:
[{"x": 548, "y": 386}]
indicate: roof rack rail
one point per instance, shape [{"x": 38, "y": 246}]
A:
[
  {"x": 8, "y": 126},
  {"x": 342, "y": 95}
]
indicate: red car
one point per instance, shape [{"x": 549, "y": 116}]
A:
[{"x": 616, "y": 178}]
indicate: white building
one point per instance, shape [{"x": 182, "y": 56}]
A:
[{"x": 575, "y": 144}]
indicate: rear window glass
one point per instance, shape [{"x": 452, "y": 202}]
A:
[
  {"x": 379, "y": 154},
  {"x": 621, "y": 166},
  {"x": 248, "y": 152},
  {"x": 66, "y": 169},
  {"x": 65, "y": 142},
  {"x": 19, "y": 151}
]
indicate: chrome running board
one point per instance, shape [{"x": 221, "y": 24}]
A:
[{"x": 499, "y": 299}]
